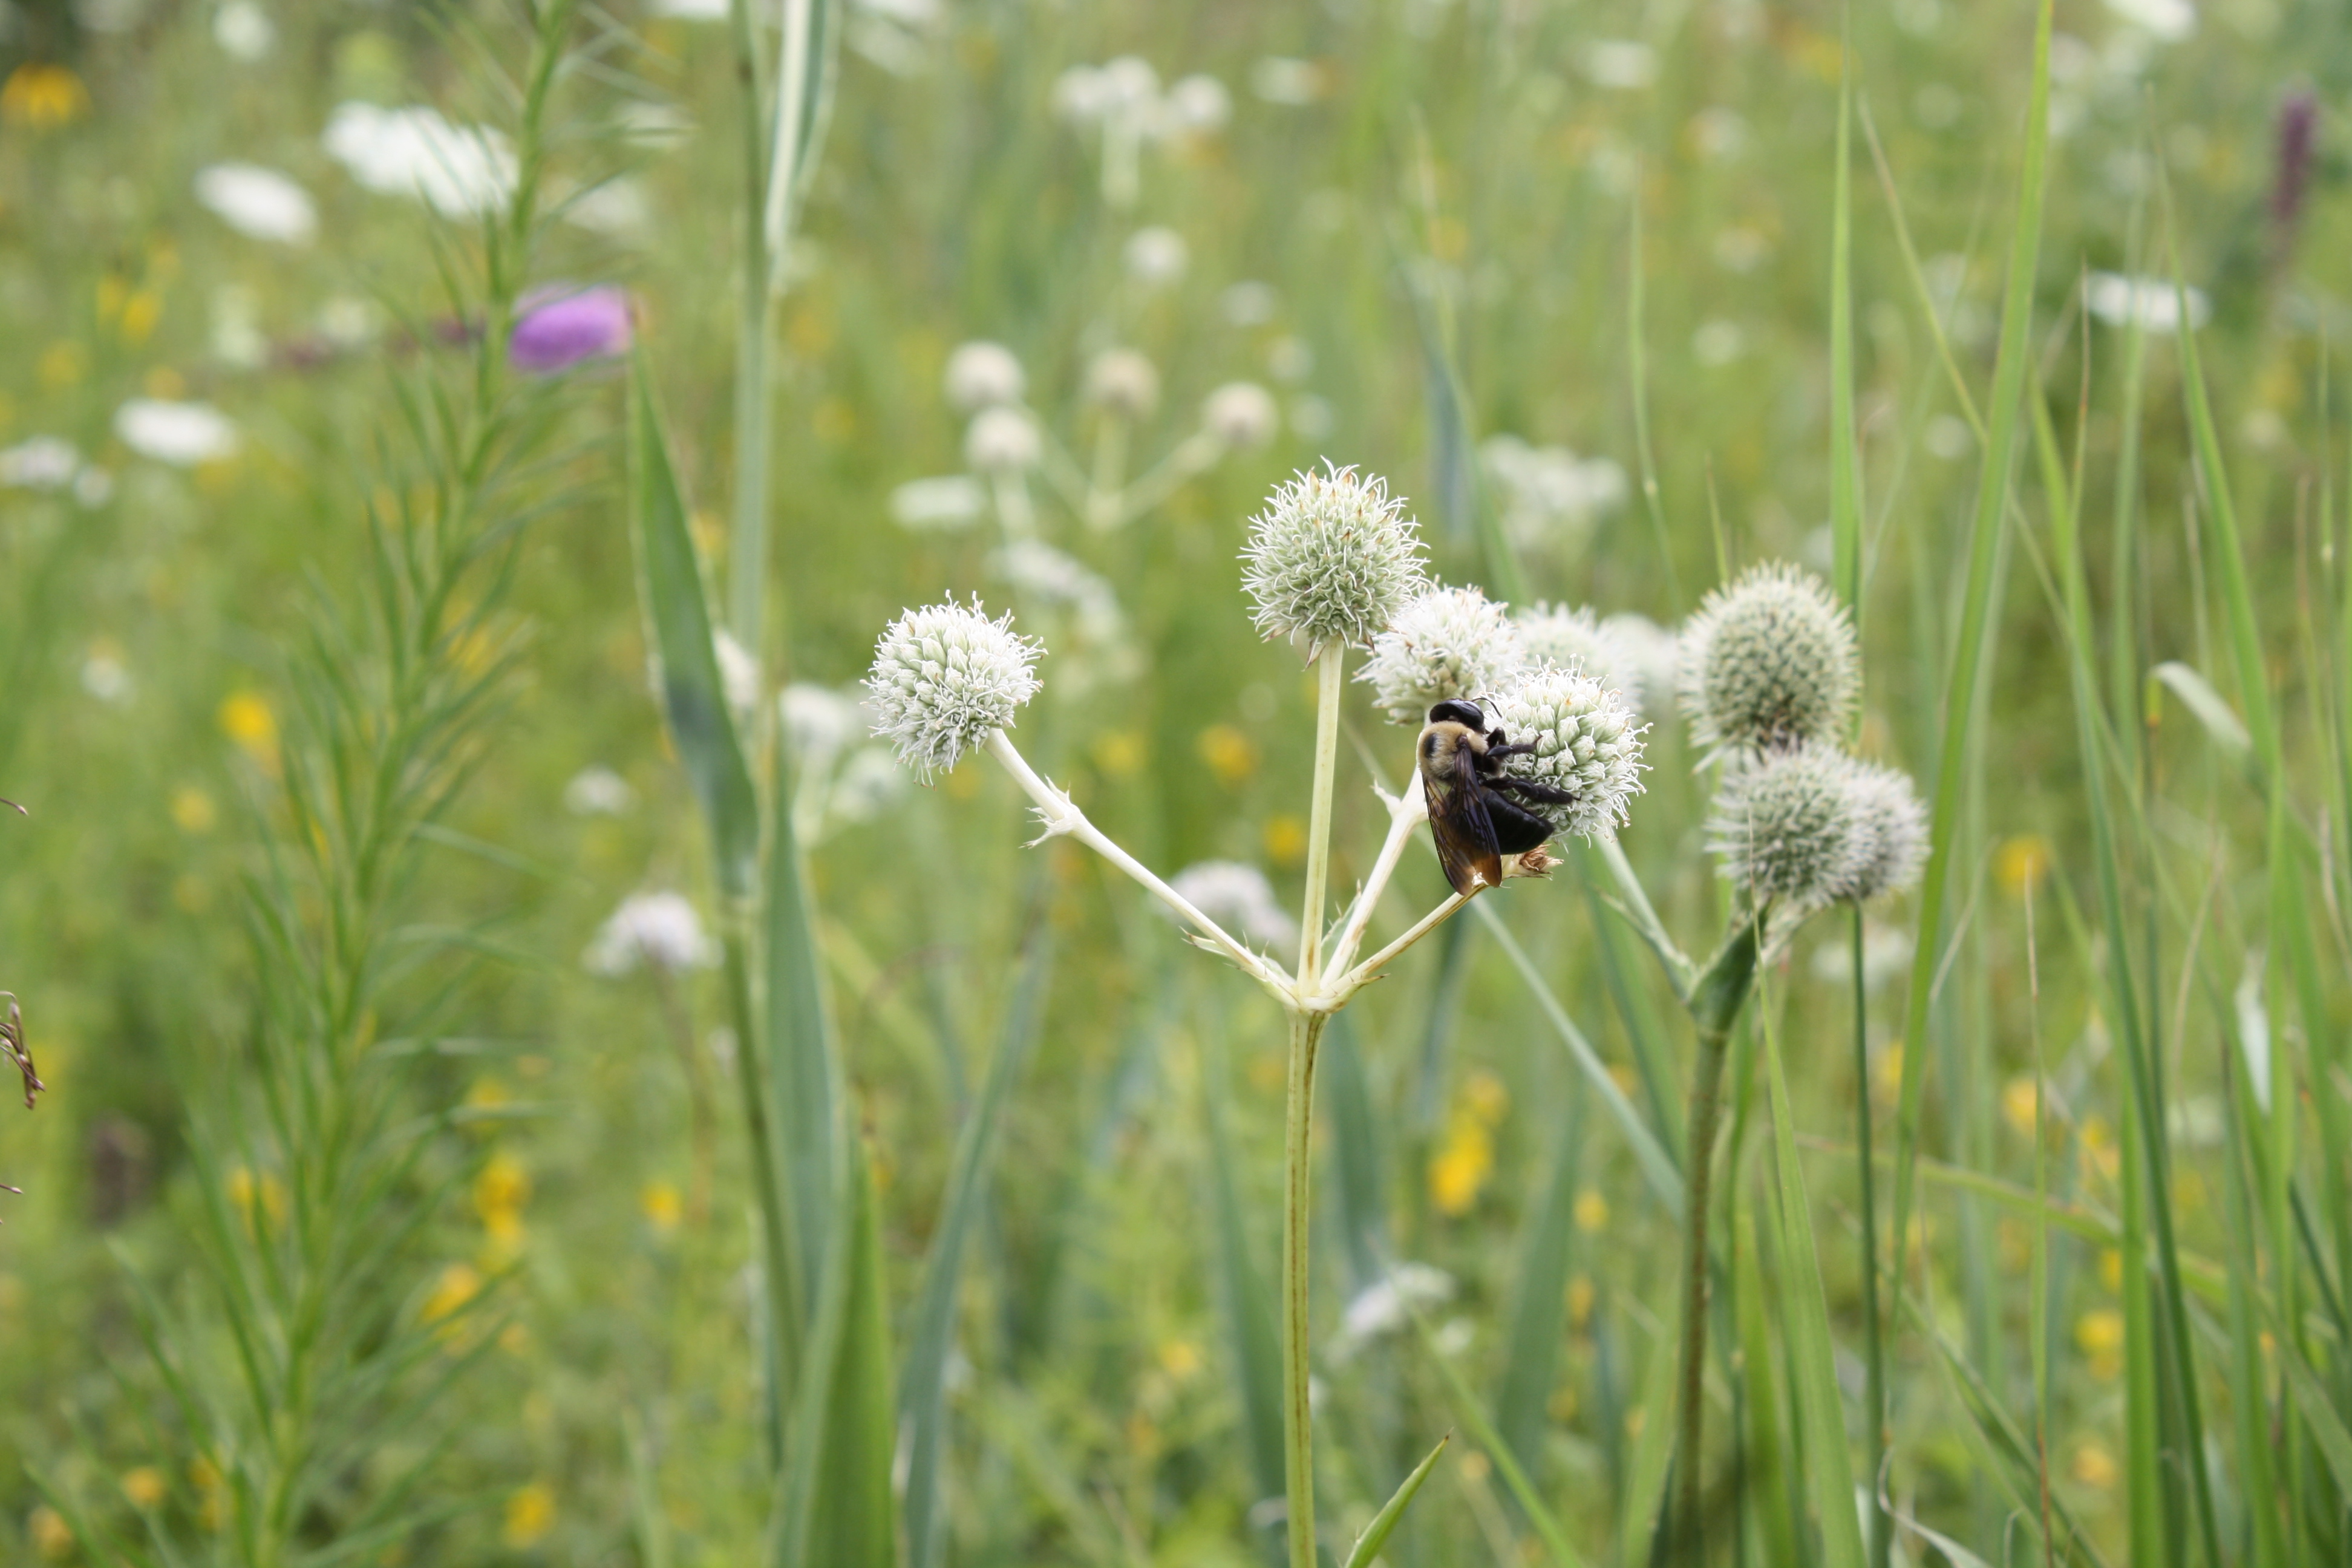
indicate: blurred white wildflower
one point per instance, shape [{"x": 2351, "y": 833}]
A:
[
  {"x": 982, "y": 374},
  {"x": 1886, "y": 957},
  {"x": 869, "y": 779},
  {"x": 1003, "y": 441},
  {"x": 181, "y": 434},
  {"x": 819, "y": 721},
  {"x": 1248, "y": 303},
  {"x": 93, "y": 487},
  {"x": 104, "y": 674},
  {"x": 1156, "y": 256},
  {"x": 944, "y": 505},
  {"x": 597, "y": 791},
  {"x": 1588, "y": 745},
  {"x": 244, "y": 31},
  {"x": 1388, "y": 1304},
  {"x": 1720, "y": 132},
  {"x": 945, "y": 679},
  {"x": 1547, "y": 494},
  {"x": 348, "y": 320},
  {"x": 2170, "y": 20},
  {"x": 1276, "y": 79},
  {"x": 1062, "y": 580},
  {"x": 1312, "y": 417},
  {"x": 1619, "y": 63},
  {"x": 459, "y": 170},
  {"x": 1288, "y": 358},
  {"x": 2120, "y": 301},
  {"x": 1717, "y": 343},
  {"x": 619, "y": 208},
  {"x": 1446, "y": 643},
  {"x": 1241, "y": 413},
  {"x": 40, "y": 463},
  {"x": 658, "y": 931},
  {"x": 1652, "y": 657},
  {"x": 1571, "y": 638},
  {"x": 739, "y": 672},
  {"x": 1196, "y": 105},
  {"x": 1238, "y": 897},
  {"x": 237, "y": 339},
  {"x": 1333, "y": 558},
  {"x": 1769, "y": 660},
  {"x": 257, "y": 202},
  {"x": 1123, "y": 382}
]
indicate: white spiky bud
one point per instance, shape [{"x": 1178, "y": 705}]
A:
[
  {"x": 1890, "y": 824},
  {"x": 1123, "y": 382},
  {"x": 1588, "y": 743},
  {"x": 1333, "y": 558},
  {"x": 1784, "y": 828},
  {"x": 1573, "y": 637},
  {"x": 1241, "y": 413},
  {"x": 1769, "y": 662},
  {"x": 945, "y": 679},
  {"x": 982, "y": 375},
  {"x": 1003, "y": 441},
  {"x": 1447, "y": 642}
]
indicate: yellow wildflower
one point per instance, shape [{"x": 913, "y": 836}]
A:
[
  {"x": 660, "y": 1204},
  {"x": 42, "y": 97},
  {"x": 192, "y": 810},
  {"x": 1121, "y": 754},
  {"x": 2020, "y": 863},
  {"x": 1286, "y": 840},
  {"x": 458, "y": 1284},
  {"x": 1485, "y": 1098},
  {"x": 2094, "y": 1467},
  {"x": 145, "y": 1487},
  {"x": 1592, "y": 1212},
  {"x": 1179, "y": 1359},
  {"x": 502, "y": 1187},
  {"x": 53, "y": 1537},
  {"x": 530, "y": 1514},
  {"x": 1458, "y": 1171},
  {"x": 246, "y": 720},
  {"x": 1579, "y": 1302},
  {"x": 2017, "y": 1103},
  {"x": 1231, "y": 754}
]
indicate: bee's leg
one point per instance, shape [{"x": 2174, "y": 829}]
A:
[{"x": 1530, "y": 789}]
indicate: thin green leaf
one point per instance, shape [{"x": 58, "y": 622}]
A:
[
  {"x": 2211, "y": 709},
  {"x": 1482, "y": 1432},
  {"x": 1539, "y": 1303},
  {"x": 1375, "y": 1534},
  {"x": 1249, "y": 1311}
]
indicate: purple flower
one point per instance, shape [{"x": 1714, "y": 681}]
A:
[
  {"x": 561, "y": 327},
  {"x": 2297, "y": 130}
]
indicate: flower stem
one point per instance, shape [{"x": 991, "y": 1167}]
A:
[
  {"x": 1705, "y": 1105},
  {"x": 1405, "y": 813},
  {"x": 782, "y": 1286},
  {"x": 1330, "y": 661},
  {"x": 1716, "y": 1000},
  {"x": 1874, "y": 1407},
  {"x": 1297, "y": 1432}
]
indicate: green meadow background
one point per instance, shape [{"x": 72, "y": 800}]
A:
[{"x": 1421, "y": 224}]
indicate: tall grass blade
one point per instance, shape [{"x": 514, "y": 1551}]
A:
[
  {"x": 922, "y": 1397},
  {"x": 801, "y": 1056},
  {"x": 1805, "y": 1320},
  {"x": 1960, "y": 689},
  {"x": 1359, "y": 1188},
  {"x": 1539, "y": 1303},
  {"x": 1367, "y": 1549},
  {"x": 1248, "y": 1303},
  {"x": 1473, "y": 1416}
]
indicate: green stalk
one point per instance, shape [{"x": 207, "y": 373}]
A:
[
  {"x": 1305, "y": 1034},
  {"x": 747, "y": 572},
  {"x": 1297, "y": 1434},
  {"x": 1716, "y": 1002}
]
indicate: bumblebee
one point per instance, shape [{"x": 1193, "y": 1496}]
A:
[{"x": 1472, "y": 813}]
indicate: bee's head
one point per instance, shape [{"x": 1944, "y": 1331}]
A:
[{"x": 1455, "y": 710}]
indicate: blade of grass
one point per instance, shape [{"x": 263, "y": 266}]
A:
[
  {"x": 1473, "y": 1416},
  {"x": 1658, "y": 1168},
  {"x": 1637, "y": 372},
  {"x": 800, "y": 1058},
  {"x": 1539, "y": 1302},
  {"x": 1248, "y": 1306},
  {"x": 1375, "y": 1534},
  {"x": 1959, "y": 704},
  {"x": 1358, "y": 1186},
  {"x": 922, "y": 1395},
  {"x": 1805, "y": 1320}
]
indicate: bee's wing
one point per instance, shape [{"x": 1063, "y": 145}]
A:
[{"x": 1464, "y": 832}]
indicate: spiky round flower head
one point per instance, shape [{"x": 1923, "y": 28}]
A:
[
  {"x": 981, "y": 375},
  {"x": 1333, "y": 558},
  {"x": 1651, "y": 655},
  {"x": 1241, "y": 413},
  {"x": 1890, "y": 826},
  {"x": 1574, "y": 639},
  {"x": 1786, "y": 828},
  {"x": 1448, "y": 642},
  {"x": 1123, "y": 382},
  {"x": 1588, "y": 743},
  {"x": 945, "y": 679},
  {"x": 1003, "y": 441},
  {"x": 1769, "y": 662}
]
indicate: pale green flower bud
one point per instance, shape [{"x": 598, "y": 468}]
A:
[
  {"x": 1588, "y": 743},
  {"x": 1890, "y": 826},
  {"x": 1333, "y": 558},
  {"x": 1448, "y": 642},
  {"x": 945, "y": 679},
  {"x": 1769, "y": 662},
  {"x": 1786, "y": 828}
]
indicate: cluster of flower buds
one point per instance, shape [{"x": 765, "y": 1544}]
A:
[{"x": 1770, "y": 671}]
